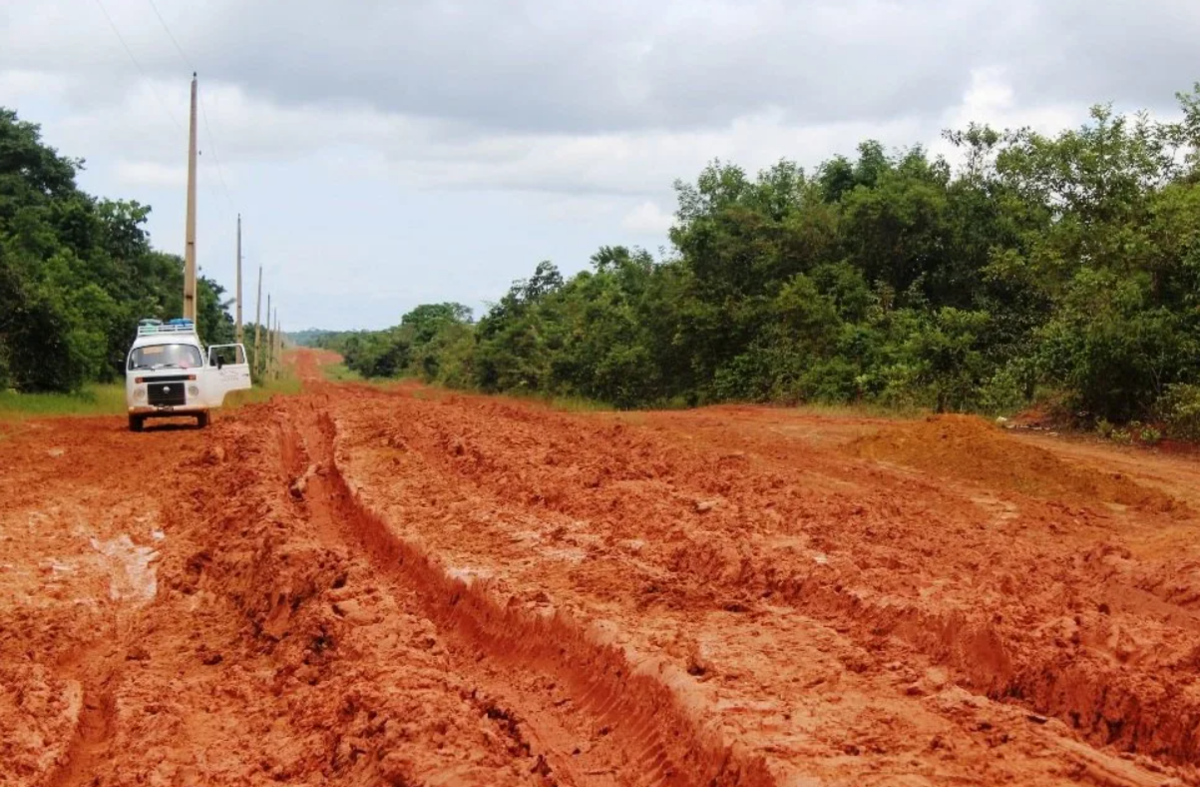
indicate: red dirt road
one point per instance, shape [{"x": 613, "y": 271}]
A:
[{"x": 411, "y": 587}]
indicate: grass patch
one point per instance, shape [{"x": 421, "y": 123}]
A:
[
  {"x": 109, "y": 399},
  {"x": 286, "y": 385},
  {"x": 94, "y": 399},
  {"x": 341, "y": 373},
  {"x": 564, "y": 404},
  {"x": 574, "y": 404},
  {"x": 863, "y": 410}
]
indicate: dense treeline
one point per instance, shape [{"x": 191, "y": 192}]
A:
[
  {"x": 77, "y": 272},
  {"x": 1064, "y": 265}
]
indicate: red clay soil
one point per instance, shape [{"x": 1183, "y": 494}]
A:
[
  {"x": 969, "y": 448},
  {"x": 409, "y": 587}
]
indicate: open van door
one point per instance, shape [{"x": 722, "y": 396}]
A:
[{"x": 230, "y": 371}]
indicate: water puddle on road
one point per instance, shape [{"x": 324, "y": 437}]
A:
[{"x": 131, "y": 576}]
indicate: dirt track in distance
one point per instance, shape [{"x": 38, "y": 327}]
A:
[{"x": 414, "y": 587}]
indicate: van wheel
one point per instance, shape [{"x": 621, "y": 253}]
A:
[
  {"x": 135, "y": 423},
  {"x": 202, "y": 420}
]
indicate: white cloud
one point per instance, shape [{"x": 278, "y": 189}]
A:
[
  {"x": 648, "y": 219},
  {"x": 150, "y": 173},
  {"x": 641, "y": 164},
  {"x": 362, "y": 136},
  {"x": 991, "y": 99},
  {"x": 20, "y": 84}
]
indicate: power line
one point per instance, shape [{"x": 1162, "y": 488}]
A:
[
  {"x": 212, "y": 146},
  {"x": 143, "y": 72},
  {"x": 186, "y": 60},
  {"x": 212, "y": 143}
]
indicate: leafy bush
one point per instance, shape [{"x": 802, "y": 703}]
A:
[
  {"x": 1179, "y": 410},
  {"x": 1003, "y": 392}
]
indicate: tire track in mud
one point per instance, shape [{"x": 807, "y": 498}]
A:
[
  {"x": 1107, "y": 699},
  {"x": 318, "y": 634},
  {"x": 65, "y": 624},
  {"x": 579, "y": 707},
  {"x": 557, "y": 465},
  {"x": 95, "y": 673}
]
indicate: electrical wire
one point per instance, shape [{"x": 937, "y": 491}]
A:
[
  {"x": 143, "y": 72},
  {"x": 186, "y": 60},
  {"x": 212, "y": 145},
  {"x": 212, "y": 142}
]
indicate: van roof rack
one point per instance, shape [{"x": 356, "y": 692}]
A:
[{"x": 151, "y": 327}]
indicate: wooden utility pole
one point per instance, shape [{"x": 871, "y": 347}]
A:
[
  {"x": 258, "y": 326},
  {"x": 270, "y": 338},
  {"x": 239, "y": 281},
  {"x": 189, "y": 252}
]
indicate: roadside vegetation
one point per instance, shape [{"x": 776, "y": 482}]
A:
[
  {"x": 109, "y": 399},
  {"x": 340, "y": 373},
  {"x": 91, "y": 399},
  {"x": 286, "y": 383},
  {"x": 1062, "y": 268},
  {"x": 76, "y": 274}
]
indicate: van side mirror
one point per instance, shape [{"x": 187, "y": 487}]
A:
[{"x": 220, "y": 363}]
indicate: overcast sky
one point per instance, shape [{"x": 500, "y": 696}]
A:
[{"x": 385, "y": 154}]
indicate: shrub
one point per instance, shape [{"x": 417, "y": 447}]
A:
[{"x": 1179, "y": 411}]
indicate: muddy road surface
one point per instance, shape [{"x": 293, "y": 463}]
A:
[{"x": 404, "y": 586}]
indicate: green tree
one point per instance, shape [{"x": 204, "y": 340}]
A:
[
  {"x": 76, "y": 273},
  {"x": 1069, "y": 261}
]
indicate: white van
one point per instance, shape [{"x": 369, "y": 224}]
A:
[{"x": 168, "y": 373}]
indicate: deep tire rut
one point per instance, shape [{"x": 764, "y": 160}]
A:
[
  {"x": 579, "y": 707},
  {"x": 96, "y": 673}
]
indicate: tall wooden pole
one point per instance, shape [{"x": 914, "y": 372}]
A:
[
  {"x": 270, "y": 338},
  {"x": 258, "y": 326},
  {"x": 278, "y": 345},
  {"x": 240, "y": 336},
  {"x": 189, "y": 252}
]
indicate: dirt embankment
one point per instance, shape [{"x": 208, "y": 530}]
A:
[
  {"x": 405, "y": 587},
  {"x": 969, "y": 448}
]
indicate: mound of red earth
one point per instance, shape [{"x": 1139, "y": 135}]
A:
[
  {"x": 969, "y": 448},
  {"x": 408, "y": 587}
]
